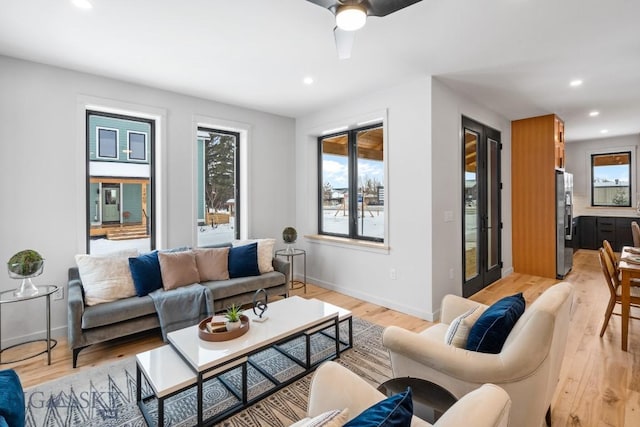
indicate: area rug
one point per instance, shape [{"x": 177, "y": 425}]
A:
[{"x": 106, "y": 395}]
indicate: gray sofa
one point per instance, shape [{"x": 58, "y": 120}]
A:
[{"x": 98, "y": 323}]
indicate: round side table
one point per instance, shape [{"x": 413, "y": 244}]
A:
[
  {"x": 290, "y": 254},
  {"x": 430, "y": 400},
  {"x": 8, "y": 297}
]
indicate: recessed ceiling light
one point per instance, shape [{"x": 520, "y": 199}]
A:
[
  {"x": 307, "y": 80},
  {"x": 575, "y": 83},
  {"x": 604, "y": 131},
  {"x": 82, "y": 4},
  {"x": 594, "y": 113}
]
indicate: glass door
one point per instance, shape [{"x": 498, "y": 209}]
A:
[{"x": 481, "y": 206}]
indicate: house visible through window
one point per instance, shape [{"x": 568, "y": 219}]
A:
[
  {"x": 119, "y": 183},
  {"x": 351, "y": 176},
  {"x": 611, "y": 179},
  {"x": 218, "y": 198}
]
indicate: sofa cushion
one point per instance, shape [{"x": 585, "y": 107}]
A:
[
  {"x": 146, "y": 273},
  {"x": 241, "y": 285},
  {"x": 117, "y": 311},
  {"x": 395, "y": 410},
  {"x": 11, "y": 399},
  {"x": 243, "y": 261},
  {"x": 265, "y": 252},
  {"x": 106, "y": 278},
  {"x": 178, "y": 269},
  {"x": 213, "y": 264},
  {"x": 458, "y": 331},
  {"x": 491, "y": 330}
]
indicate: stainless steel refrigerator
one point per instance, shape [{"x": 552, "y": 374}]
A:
[{"x": 564, "y": 219}]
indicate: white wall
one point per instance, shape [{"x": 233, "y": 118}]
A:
[
  {"x": 362, "y": 272},
  {"x": 42, "y": 172},
  {"x": 578, "y": 162},
  {"x": 448, "y": 107}
]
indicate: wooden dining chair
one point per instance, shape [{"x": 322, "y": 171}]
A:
[
  {"x": 613, "y": 284},
  {"x": 635, "y": 232}
]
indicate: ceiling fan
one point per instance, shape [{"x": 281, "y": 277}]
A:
[{"x": 351, "y": 15}]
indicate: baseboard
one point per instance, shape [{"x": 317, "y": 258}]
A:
[
  {"x": 60, "y": 331},
  {"x": 373, "y": 299}
]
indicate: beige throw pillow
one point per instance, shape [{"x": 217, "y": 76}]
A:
[
  {"x": 106, "y": 278},
  {"x": 265, "y": 252},
  {"x": 334, "y": 418},
  {"x": 458, "y": 331},
  {"x": 178, "y": 269},
  {"x": 212, "y": 264}
]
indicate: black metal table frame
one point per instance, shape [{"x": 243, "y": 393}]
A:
[
  {"x": 51, "y": 343},
  {"x": 242, "y": 397},
  {"x": 291, "y": 257}
]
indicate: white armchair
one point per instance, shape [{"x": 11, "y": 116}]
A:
[
  {"x": 528, "y": 366},
  {"x": 335, "y": 387}
]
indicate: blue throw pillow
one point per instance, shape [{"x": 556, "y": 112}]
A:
[
  {"x": 11, "y": 399},
  {"x": 395, "y": 410},
  {"x": 243, "y": 261},
  {"x": 492, "y": 328},
  {"x": 145, "y": 271}
]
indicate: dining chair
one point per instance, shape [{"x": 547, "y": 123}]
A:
[
  {"x": 635, "y": 231},
  {"x": 613, "y": 284}
]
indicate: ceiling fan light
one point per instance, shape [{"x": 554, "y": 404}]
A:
[{"x": 351, "y": 18}]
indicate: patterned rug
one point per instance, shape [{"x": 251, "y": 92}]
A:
[{"x": 106, "y": 395}]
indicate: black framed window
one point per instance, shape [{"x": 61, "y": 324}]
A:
[
  {"x": 611, "y": 179},
  {"x": 107, "y": 143},
  {"x": 218, "y": 201},
  {"x": 137, "y": 146},
  {"x": 351, "y": 194}
]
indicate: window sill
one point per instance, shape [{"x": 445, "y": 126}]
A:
[{"x": 348, "y": 243}]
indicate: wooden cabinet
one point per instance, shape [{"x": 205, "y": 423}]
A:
[
  {"x": 537, "y": 148},
  {"x": 586, "y": 234}
]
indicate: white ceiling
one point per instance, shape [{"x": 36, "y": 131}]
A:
[{"x": 514, "y": 56}]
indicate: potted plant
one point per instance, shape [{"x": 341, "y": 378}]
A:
[
  {"x": 25, "y": 265},
  {"x": 233, "y": 317}
]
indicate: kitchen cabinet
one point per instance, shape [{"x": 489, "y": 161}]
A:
[
  {"x": 592, "y": 230},
  {"x": 537, "y": 149}
]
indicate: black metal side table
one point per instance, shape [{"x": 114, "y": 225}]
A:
[
  {"x": 290, "y": 254},
  {"x": 8, "y": 297},
  {"x": 430, "y": 400}
]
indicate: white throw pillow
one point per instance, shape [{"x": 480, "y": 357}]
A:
[
  {"x": 265, "y": 252},
  {"x": 458, "y": 331},
  {"x": 334, "y": 418},
  {"x": 106, "y": 278}
]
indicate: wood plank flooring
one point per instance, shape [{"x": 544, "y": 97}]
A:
[{"x": 599, "y": 384}]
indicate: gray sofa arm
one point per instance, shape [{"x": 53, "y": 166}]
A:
[
  {"x": 75, "y": 302},
  {"x": 283, "y": 267}
]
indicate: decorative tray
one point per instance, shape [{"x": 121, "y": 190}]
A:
[{"x": 204, "y": 333}]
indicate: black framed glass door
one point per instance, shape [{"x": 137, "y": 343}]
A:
[{"x": 481, "y": 206}]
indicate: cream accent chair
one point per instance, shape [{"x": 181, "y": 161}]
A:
[
  {"x": 335, "y": 387},
  {"x": 528, "y": 367}
]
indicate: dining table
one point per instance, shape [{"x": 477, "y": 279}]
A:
[{"x": 629, "y": 266}]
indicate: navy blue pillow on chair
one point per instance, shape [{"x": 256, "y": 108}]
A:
[
  {"x": 395, "y": 410},
  {"x": 145, "y": 271},
  {"x": 11, "y": 399},
  {"x": 492, "y": 328},
  {"x": 243, "y": 261}
]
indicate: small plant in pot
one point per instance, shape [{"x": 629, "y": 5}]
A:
[{"x": 233, "y": 317}]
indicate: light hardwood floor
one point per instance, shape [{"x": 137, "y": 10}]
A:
[{"x": 599, "y": 384}]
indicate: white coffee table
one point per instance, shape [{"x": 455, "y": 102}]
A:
[{"x": 189, "y": 361}]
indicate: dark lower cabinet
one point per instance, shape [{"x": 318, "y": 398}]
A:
[{"x": 592, "y": 230}]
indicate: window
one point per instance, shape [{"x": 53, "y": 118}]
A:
[
  {"x": 611, "y": 179},
  {"x": 218, "y": 202},
  {"x": 137, "y": 146},
  {"x": 107, "y": 143},
  {"x": 119, "y": 188},
  {"x": 351, "y": 176}
]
